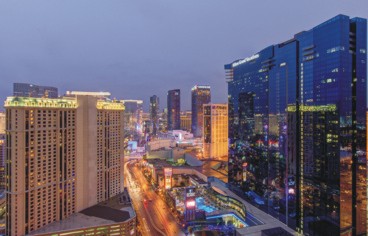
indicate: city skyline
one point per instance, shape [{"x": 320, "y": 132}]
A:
[
  {"x": 44, "y": 53},
  {"x": 183, "y": 118}
]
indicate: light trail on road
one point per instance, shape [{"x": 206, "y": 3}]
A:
[{"x": 154, "y": 215}]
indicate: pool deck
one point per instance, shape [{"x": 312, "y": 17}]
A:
[{"x": 267, "y": 220}]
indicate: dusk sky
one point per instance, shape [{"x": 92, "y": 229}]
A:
[{"x": 136, "y": 49}]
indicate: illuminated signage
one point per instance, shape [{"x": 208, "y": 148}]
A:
[
  {"x": 291, "y": 191},
  {"x": 190, "y": 192},
  {"x": 291, "y": 181},
  {"x": 168, "y": 174},
  {"x": 244, "y": 175},
  {"x": 245, "y": 60},
  {"x": 245, "y": 164},
  {"x": 201, "y": 87},
  {"x": 191, "y": 204}
]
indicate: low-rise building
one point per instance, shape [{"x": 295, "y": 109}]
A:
[{"x": 112, "y": 217}]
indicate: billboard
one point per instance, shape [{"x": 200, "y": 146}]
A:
[
  {"x": 168, "y": 175},
  {"x": 190, "y": 203}
]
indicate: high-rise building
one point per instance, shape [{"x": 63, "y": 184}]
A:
[
  {"x": 186, "y": 120},
  {"x": 162, "y": 121},
  {"x": 297, "y": 128},
  {"x": 133, "y": 115},
  {"x": 200, "y": 95},
  {"x": 31, "y": 90},
  {"x": 154, "y": 113},
  {"x": 173, "y": 109},
  {"x": 215, "y": 131},
  {"x": 64, "y": 155},
  {"x": 2, "y": 122},
  {"x": 2, "y": 161}
]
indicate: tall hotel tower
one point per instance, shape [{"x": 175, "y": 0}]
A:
[
  {"x": 63, "y": 155},
  {"x": 215, "y": 131},
  {"x": 200, "y": 95},
  {"x": 173, "y": 109},
  {"x": 297, "y": 128},
  {"x": 154, "y": 113}
]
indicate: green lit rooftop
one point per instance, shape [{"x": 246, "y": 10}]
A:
[
  {"x": 40, "y": 102},
  {"x": 65, "y": 102}
]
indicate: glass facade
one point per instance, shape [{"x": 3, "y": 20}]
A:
[
  {"x": 154, "y": 112},
  {"x": 31, "y": 90},
  {"x": 200, "y": 95},
  {"x": 297, "y": 129},
  {"x": 133, "y": 116},
  {"x": 173, "y": 109}
]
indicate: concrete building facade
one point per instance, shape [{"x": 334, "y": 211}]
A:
[{"x": 63, "y": 155}]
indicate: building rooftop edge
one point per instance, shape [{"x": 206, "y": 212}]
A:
[
  {"x": 63, "y": 102},
  {"x": 339, "y": 16}
]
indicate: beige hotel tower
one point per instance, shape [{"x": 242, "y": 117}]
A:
[
  {"x": 63, "y": 155},
  {"x": 215, "y": 131}
]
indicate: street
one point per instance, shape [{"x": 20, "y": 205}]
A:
[{"x": 153, "y": 214}]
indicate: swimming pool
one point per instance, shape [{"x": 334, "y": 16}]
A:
[{"x": 202, "y": 206}]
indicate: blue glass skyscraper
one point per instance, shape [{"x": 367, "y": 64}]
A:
[{"x": 297, "y": 128}]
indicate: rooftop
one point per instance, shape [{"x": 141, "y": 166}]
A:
[
  {"x": 97, "y": 94},
  {"x": 198, "y": 180},
  {"x": 110, "y": 105},
  {"x": 158, "y": 163},
  {"x": 64, "y": 102},
  {"x": 268, "y": 222},
  {"x": 115, "y": 210},
  {"x": 40, "y": 102}
]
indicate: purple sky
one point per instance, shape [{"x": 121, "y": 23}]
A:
[{"x": 136, "y": 49}]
